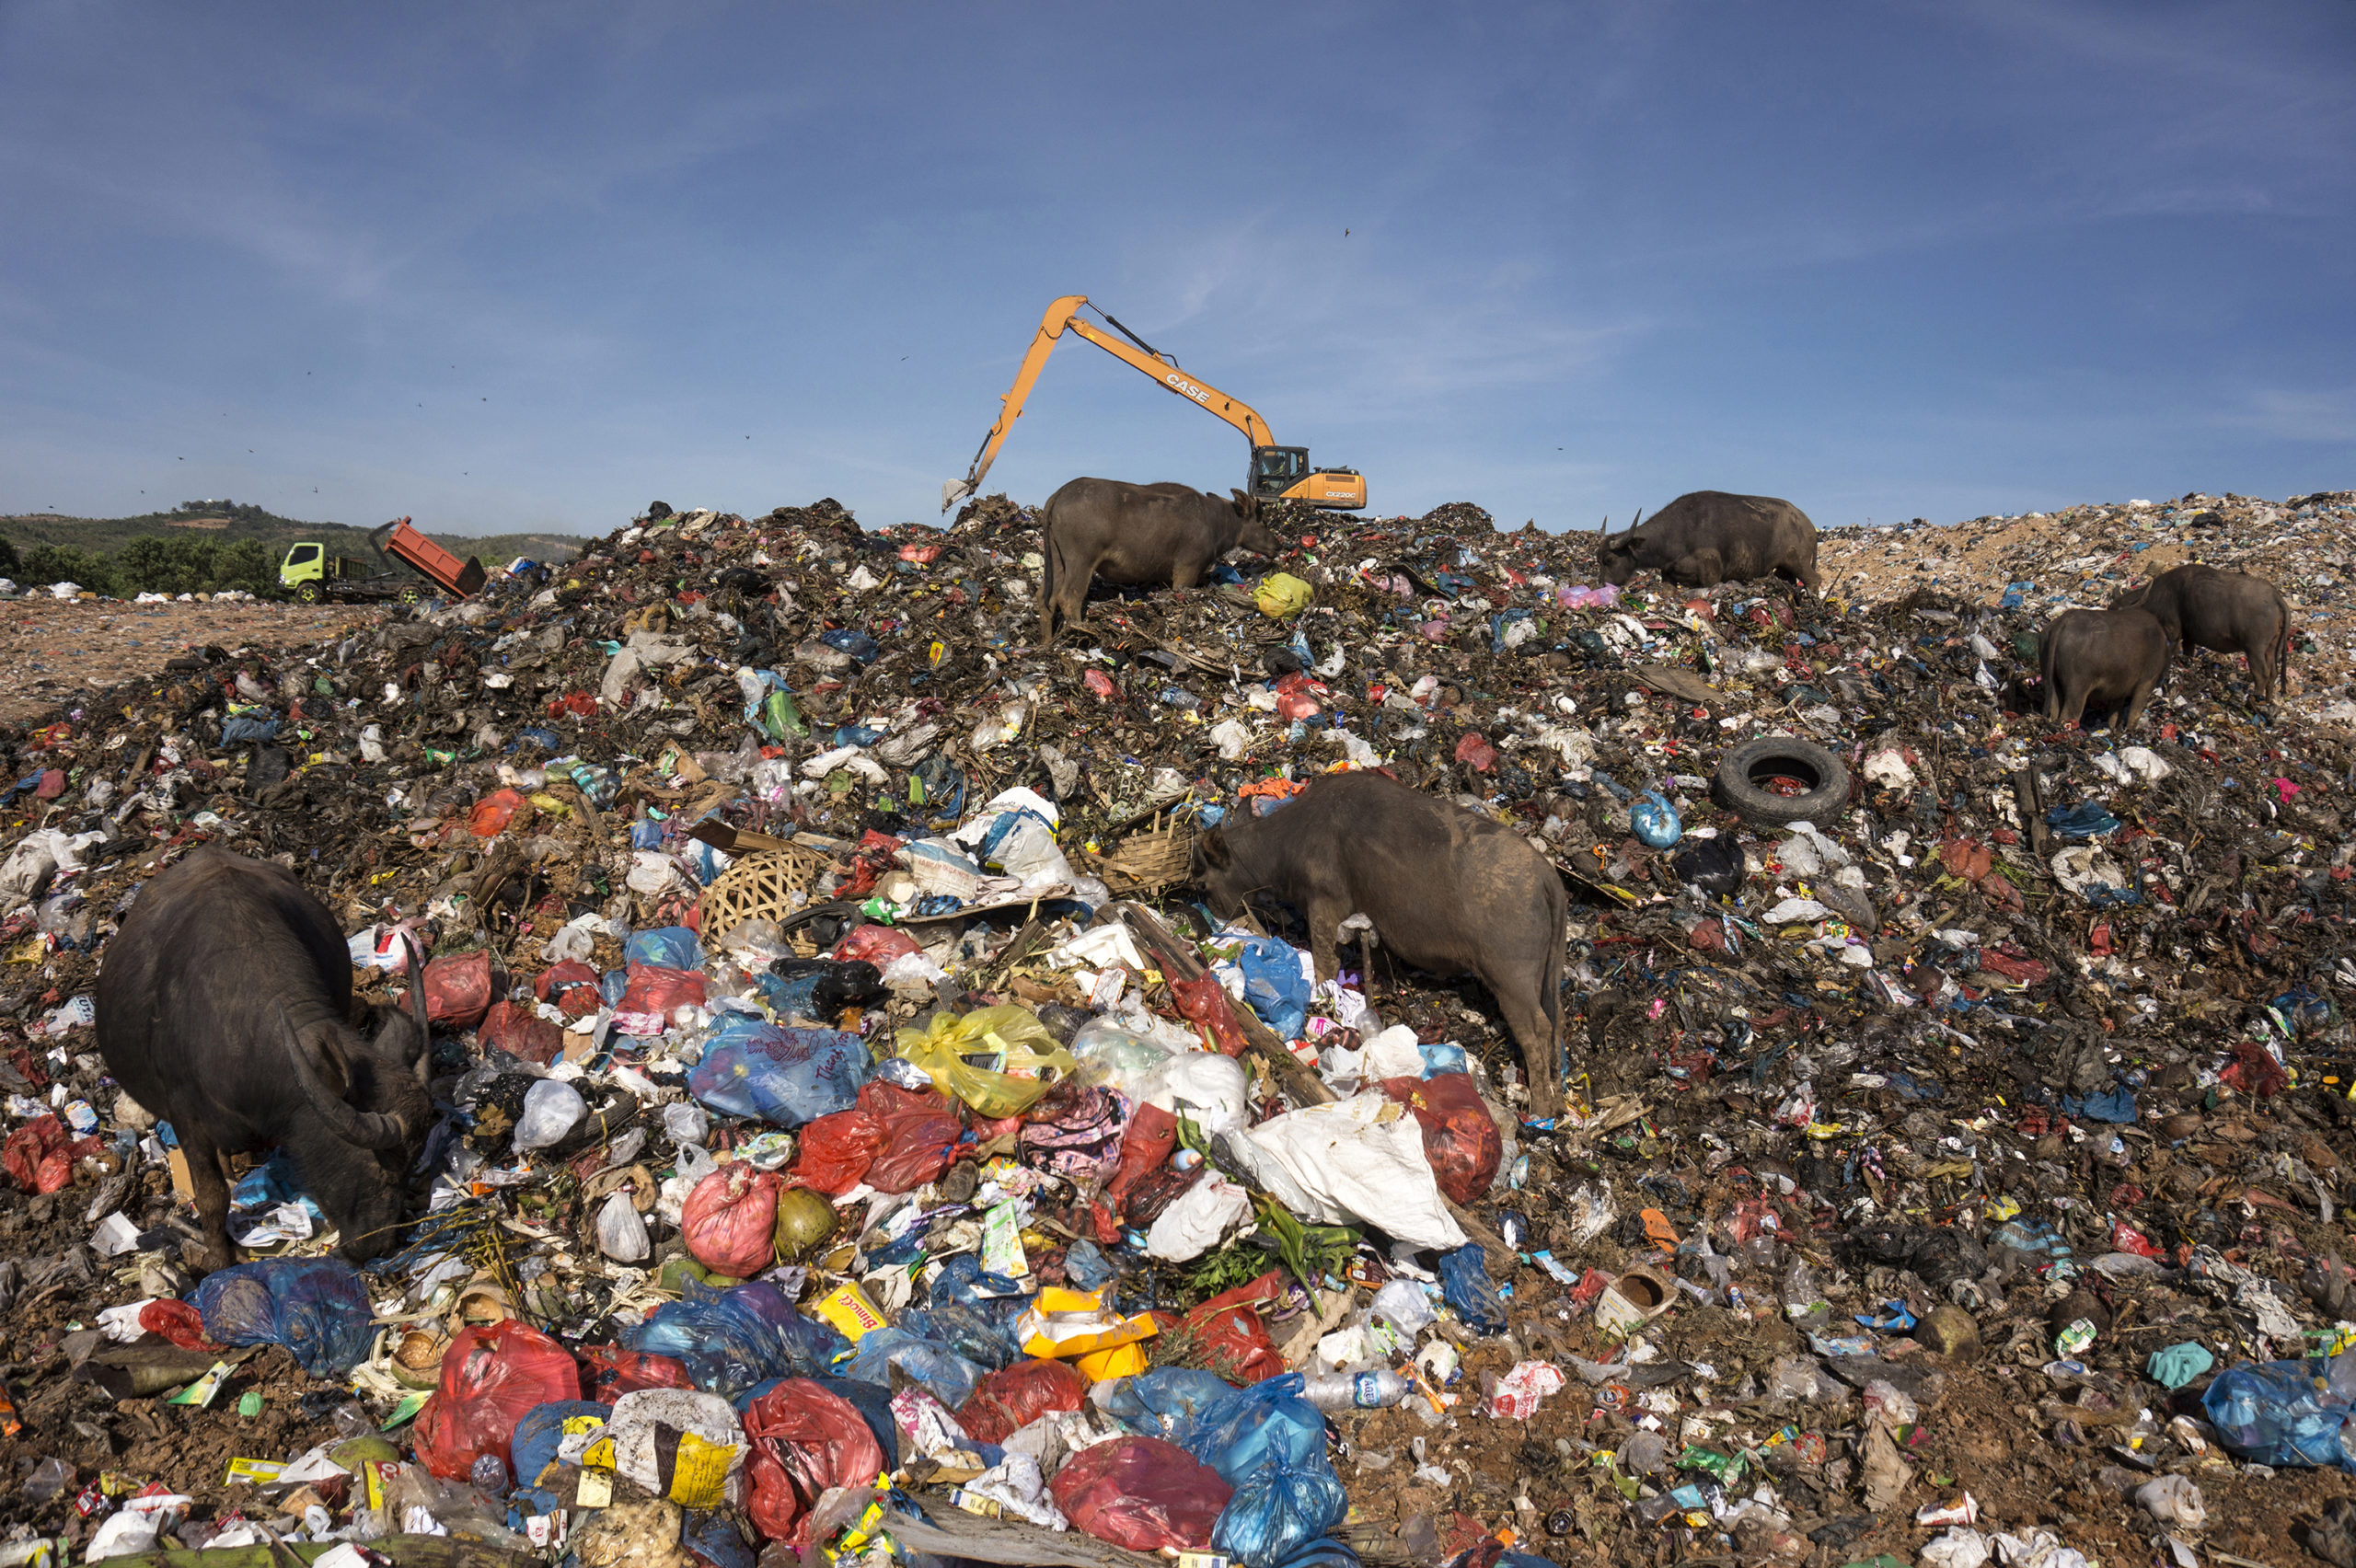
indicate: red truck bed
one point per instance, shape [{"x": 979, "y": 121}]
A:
[{"x": 405, "y": 542}]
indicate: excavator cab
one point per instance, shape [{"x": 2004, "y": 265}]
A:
[{"x": 1282, "y": 473}]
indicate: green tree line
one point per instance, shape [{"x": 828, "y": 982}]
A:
[{"x": 150, "y": 565}]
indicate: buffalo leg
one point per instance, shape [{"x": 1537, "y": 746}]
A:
[
  {"x": 1326, "y": 919},
  {"x": 2136, "y": 702},
  {"x": 211, "y": 1185},
  {"x": 2073, "y": 707},
  {"x": 2263, "y": 671},
  {"x": 1526, "y": 1018}
]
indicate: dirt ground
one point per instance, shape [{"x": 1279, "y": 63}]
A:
[{"x": 53, "y": 647}]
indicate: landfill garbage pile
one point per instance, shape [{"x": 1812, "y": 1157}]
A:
[{"x": 856, "y": 1138}]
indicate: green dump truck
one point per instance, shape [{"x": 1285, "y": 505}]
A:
[{"x": 311, "y": 574}]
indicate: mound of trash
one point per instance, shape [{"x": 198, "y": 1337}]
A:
[{"x": 857, "y": 1134}]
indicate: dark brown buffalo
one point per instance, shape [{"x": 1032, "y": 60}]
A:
[
  {"x": 2103, "y": 657},
  {"x": 1446, "y": 891},
  {"x": 1708, "y": 538},
  {"x": 1126, "y": 533},
  {"x": 2230, "y": 612},
  {"x": 224, "y": 1009}
]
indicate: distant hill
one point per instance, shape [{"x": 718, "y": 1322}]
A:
[{"x": 228, "y": 521}]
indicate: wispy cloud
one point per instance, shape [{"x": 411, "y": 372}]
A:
[{"x": 2326, "y": 415}]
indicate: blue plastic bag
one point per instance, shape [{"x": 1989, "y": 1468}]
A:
[
  {"x": 2273, "y": 1413},
  {"x": 1274, "y": 984},
  {"x": 950, "y": 1375},
  {"x": 1328, "y": 1552},
  {"x": 1280, "y": 1508},
  {"x": 317, "y": 1307},
  {"x": 534, "y": 1447},
  {"x": 2086, "y": 820},
  {"x": 1270, "y": 1421},
  {"x": 665, "y": 947},
  {"x": 1655, "y": 821},
  {"x": 647, "y": 834},
  {"x": 1166, "y": 1402},
  {"x": 729, "y": 1340},
  {"x": 2113, "y": 1104},
  {"x": 237, "y": 731},
  {"x": 858, "y": 644},
  {"x": 784, "y": 1076},
  {"x": 1464, "y": 1280},
  {"x": 981, "y": 1337}
]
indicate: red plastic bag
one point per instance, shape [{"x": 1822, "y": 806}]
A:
[
  {"x": 1476, "y": 753},
  {"x": 28, "y": 1146},
  {"x": 838, "y": 1148},
  {"x": 614, "y": 1372},
  {"x": 1201, "y": 1000},
  {"x": 806, "y": 1438},
  {"x": 2253, "y": 1071},
  {"x": 1232, "y": 1335},
  {"x": 1460, "y": 1136},
  {"x": 492, "y": 1377},
  {"x": 458, "y": 988},
  {"x": 178, "y": 1321},
  {"x": 1005, "y": 1401},
  {"x": 879, "y": 945},
  {"x": 730, "y": 1220},
  {"x": 919, "y": 1130},
  {"x": 522, "y": 1034},
  {"x": 572, "y": 986},
  {"x": 654, "y": 989},
  {"x": 1142, "y": 1493},
  {"x": 493, "y": 812},
  {"x": 1145, "y": 1149}
]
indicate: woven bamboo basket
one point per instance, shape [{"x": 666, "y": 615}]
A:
[
  {"x": 1149, "y": 859},
  {"x": 761, "y": 886}
]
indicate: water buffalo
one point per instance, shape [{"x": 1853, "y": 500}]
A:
[
  {"x": 2102, "y": 656},
  {"x": 1708, "y": 538},
  {"x": 2231, "y": 612},
  {"x": 1127, "y": 533},
  {"x": 224, "y": 1007},
  {"x": 1446, "y": 891}
]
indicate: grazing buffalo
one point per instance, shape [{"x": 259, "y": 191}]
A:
[
  {"x": 1127, "y": 533},
  {"x": 2229, "y": 612},
  {"x": 1446, "y": 891},
  {"x": 2104, "y": 657},
  {"x": 223, "y": 1008},
  {"x": 1708, "y": 538}
]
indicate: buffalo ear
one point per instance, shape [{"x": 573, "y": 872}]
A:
[
  {"x": 1246, "y": 506},
  {"x": 1212, "y": 847}
]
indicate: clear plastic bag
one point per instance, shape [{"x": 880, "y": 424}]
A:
[{"x": 1108, "y": 1054}]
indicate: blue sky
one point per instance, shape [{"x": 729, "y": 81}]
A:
[{"x": 527, "y": 266}]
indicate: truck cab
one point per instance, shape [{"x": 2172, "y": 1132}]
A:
[{"x": 303, "y": 572}]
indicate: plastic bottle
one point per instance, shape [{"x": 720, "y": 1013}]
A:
[{"x": 1363, "y": 1390}]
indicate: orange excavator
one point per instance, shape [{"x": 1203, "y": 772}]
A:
[{"x": 1277, "y": 472}]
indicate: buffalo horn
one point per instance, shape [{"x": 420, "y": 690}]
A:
[
  {"x": 417, "y": 1010},
  {"x": 362, "y": 1129}
]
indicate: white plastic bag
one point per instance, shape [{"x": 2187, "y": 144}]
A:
[
  {"x": 1193, "y": 1224},
  {"x": 1203, "y": 1086},
  {"x": 1355, "y": 1161},
  {"x": 551, "y": 1108},
  {"x": 621, "y": 1234},
  {"x": 686, "y": 1122}
]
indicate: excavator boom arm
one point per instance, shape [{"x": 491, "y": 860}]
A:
[{"x": 1062, "y": 314}]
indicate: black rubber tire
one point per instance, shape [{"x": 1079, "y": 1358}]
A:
[
  {"x": 309, "y": 593},
  {"x": 1743, "y": 770}
]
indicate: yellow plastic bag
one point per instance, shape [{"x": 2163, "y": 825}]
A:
[
  {"x": 998, "y": 1060},
  {"x": 1280, "y": 593}
]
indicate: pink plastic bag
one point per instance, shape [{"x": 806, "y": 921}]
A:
[{"x": 730, "y": 1220}]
